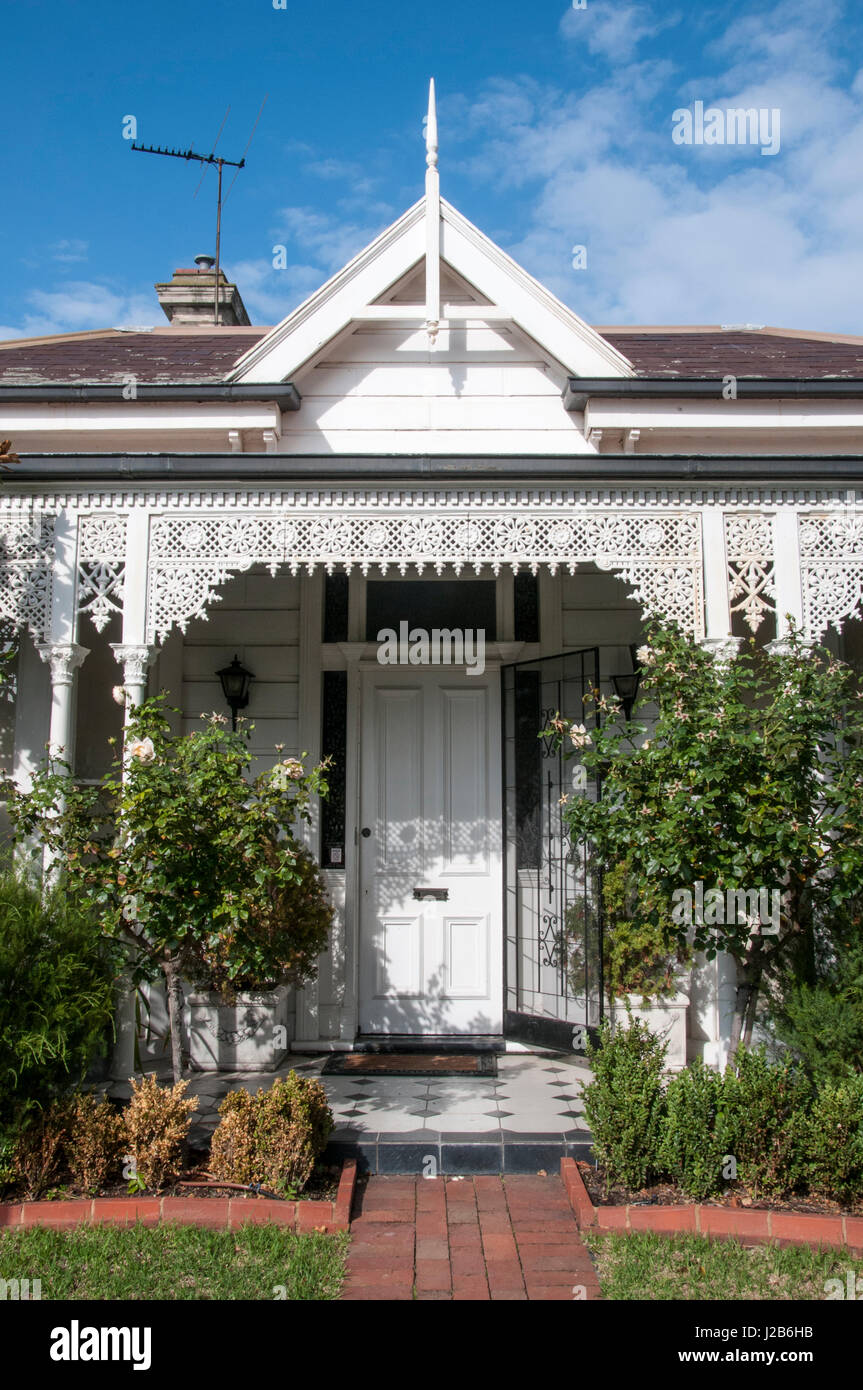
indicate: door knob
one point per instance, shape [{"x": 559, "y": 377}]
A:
[{"x": 365, "y": 832}]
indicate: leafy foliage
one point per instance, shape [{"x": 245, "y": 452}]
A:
[
  {"x": 196, "y": 868},
  {"x": 695, "y": 1132},
  {"x": 624, "y": 1104},
  {"x": 641, "y": 948},
  {"x": 820, "y": 1017},
  {"x": 36, "y": 1149},
  {"x": 752, "y": 777},
  {"x": 57, "y": 978},
  {"x": 834, "y": 1139},
  {"x": 766, "y": 1109}
]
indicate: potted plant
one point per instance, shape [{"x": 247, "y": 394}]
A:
[
  {"x": 238, "y": 1014},
  {"x": 200, "y": 870},
  {"x": 645, "y": 965}
]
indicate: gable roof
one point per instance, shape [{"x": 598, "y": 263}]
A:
[
  {"x": 164, "y": 355},
  {"x": 363, "y": 283}
]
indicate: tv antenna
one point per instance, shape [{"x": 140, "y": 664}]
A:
[{"x": 221, "y": 163}]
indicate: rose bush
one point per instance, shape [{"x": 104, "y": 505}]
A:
[{"x": 197, "y": 868}]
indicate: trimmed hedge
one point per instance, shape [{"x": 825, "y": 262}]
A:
[{"x": 762, "y": 1124}]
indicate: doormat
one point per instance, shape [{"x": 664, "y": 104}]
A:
[{"x": 411, "y": 1064}]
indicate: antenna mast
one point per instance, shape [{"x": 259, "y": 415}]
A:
[{"x": 202, "y": 159}]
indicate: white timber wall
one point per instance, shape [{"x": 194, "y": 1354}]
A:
[
  {"x": 484, "y": 389},
  {"x": 258, "y": 621},
  {"x": 596, "y": 611}
]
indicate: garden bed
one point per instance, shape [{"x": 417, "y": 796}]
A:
[
  {"x": 192, "y": 1206},
  {"x": 780, "y": 1222},
  {"x": 667, "y": 1194}
]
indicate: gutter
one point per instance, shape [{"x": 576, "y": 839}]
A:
[
  {"x": 579, "y": 390},
  {"x": 239, "y": 470},
  {"x": 281, "y": 393}
]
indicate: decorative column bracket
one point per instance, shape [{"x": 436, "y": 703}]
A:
[
  {"x": 101, "y": 567},
  {"x": 831, "y": 565},
  {"x": 26, "y": 571},
  {"x": 750, "y": 558}
]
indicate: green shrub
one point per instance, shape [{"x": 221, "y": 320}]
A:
[
  {"x": 274, "y": 1136},
  {"x": 834, "y": 1140},
  {"x": 766, "y": 1116},
  {"x": 694, "y": 1132},
  {"x": 624, "y": 1104},
  {"x": 56, "y": 997},
  {"x": 822, "y": 1020},
  {"x": 155, "y": 1129}
]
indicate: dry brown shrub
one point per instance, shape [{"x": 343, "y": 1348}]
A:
[{"x": 155, "y": 1130}]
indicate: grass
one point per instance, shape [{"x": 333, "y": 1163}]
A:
[
  {"x": 175, "y": 1262},
  {"x": 643, "y": 1265}
]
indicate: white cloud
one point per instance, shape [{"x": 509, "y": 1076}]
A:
[
  {"x": 69, "y": 250},
  {"x": 686, "y": 234},
  {"x": 269, "y": 294},
  {"x": 79, "y": 305},
  {"x": 331, "y": 240},
  {"x": 614, "y": 32}
]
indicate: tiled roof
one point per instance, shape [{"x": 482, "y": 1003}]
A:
[
  {"x": 170, "y": 355},
  {"x": 717, "y": 352},
  {"x": 151, "y": 357}
]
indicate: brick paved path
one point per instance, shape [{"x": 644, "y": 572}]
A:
[{"x": 466, "y": 1238}]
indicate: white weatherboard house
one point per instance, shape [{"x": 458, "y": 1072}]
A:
[{"x": 431, "y": 438}]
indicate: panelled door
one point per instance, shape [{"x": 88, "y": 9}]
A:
[{"x": 430, "y": 854}]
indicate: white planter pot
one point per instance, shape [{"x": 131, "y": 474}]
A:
[
  {"x": 248, "y": 1035},
  {"x": 665, "y": 1017}
]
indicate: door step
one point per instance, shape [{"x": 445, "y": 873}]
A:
[{"x": 407, "y": 1043}]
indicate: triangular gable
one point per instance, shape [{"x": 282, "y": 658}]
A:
[{"x": 365, "y": 283}]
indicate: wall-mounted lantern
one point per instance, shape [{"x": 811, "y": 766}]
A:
[
  {"x": 235, "y": 687},
  {"x": 626, "y": 687}
]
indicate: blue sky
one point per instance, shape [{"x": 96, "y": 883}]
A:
[{"x": 555, "y": 132}]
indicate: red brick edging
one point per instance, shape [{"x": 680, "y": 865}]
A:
[
  {"x": 228, "y": 1212},
  {"x": 784, "y": 1227}
]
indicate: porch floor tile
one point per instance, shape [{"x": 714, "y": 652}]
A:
[{"x": 536, "y": 1097}]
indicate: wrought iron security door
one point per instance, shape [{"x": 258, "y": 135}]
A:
[{"x": 553, "y": 921}]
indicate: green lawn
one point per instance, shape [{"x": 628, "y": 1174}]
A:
[
  {"x": 175, "y": 1262},
  {"x": 647, "y": 1266}
]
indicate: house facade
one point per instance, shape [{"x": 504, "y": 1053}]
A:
[{"x": 431, "y": 444}]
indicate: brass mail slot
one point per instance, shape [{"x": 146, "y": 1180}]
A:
[{"x": 440, "y": 895}]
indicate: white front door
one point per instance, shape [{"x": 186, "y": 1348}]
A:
[{"x": 430, "y": 963}]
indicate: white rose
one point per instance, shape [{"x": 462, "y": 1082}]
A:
[
  {"x": 142, "y": 749},
  {"x": 579, "y": 735}
]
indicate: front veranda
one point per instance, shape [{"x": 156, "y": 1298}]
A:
[{"x": 459, "y": 913}]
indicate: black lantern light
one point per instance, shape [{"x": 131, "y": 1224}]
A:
[
  {"x": 235, "y": 687},
  {"x": 626, "y": 686}
]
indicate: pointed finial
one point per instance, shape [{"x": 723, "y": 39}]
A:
[{"x": 431, "y": 129}]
